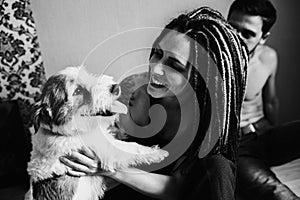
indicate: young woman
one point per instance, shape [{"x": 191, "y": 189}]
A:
[{"x": 196, "y": 57}]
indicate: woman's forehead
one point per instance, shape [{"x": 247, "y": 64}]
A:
[{"x": 176, "y": 44}]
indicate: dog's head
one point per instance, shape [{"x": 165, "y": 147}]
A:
[{"x": 73, "y": 92}]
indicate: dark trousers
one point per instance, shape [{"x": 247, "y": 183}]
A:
[
  {"x": 210, "y": 178},
  {"x": 259, "y": 151}
]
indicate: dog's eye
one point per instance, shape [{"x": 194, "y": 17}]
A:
[{"x": 78, "y": 91}]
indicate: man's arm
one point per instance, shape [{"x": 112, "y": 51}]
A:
[{"x": 270, "y": 99}]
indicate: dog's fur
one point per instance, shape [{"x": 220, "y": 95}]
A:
[{"x": 70, "y": 116}]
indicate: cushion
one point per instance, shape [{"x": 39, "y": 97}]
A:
[{"x": 15, "y": 146}]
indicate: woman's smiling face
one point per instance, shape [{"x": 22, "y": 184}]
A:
[{"x": 169, "y": 69}]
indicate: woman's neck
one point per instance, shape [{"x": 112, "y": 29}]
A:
[{"x": 174, "y": 102}]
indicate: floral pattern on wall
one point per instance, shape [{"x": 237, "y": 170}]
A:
[{"x": 21, "y": 68}]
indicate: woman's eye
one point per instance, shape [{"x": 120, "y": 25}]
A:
[
  {"x": 157, "y": 53},
  {"x": 78, "y": 91},
  {"x": 175, "y": 66}
]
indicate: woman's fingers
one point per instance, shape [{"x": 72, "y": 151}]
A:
[
  {"x": 88, "y": 152},
  {"x": 82, "y": 162},
  {"x": 76, "y": 166},
  {"x": 83, "y": 159},
  {"x": 75, "y": 173}
]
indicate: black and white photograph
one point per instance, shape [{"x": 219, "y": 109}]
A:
[{"x": 140, "y": 99}]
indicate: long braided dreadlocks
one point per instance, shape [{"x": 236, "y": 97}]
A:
[{"x": 210, "y": 31}]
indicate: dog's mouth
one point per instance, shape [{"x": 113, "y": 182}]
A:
[
  {"x": 102, "y": 113},
  {"x": 99, "y": 113},
  {"x": 116, "y": 108}
]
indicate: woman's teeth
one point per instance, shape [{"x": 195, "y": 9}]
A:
[{"x": 158, "y": 83}]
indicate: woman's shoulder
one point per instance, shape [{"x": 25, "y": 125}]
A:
[
  {"x": 134, "y": 95},
  {"x": 132, "y": 84}
]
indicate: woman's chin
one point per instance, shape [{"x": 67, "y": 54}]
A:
[{"x": 157, "y": 92}]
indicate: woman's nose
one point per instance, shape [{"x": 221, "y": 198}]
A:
[{"x": 158, "y": 69}]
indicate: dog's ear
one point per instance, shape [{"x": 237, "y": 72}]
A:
[
  {"x": 42, "y": 113},
  {"x": 52, "y": 107}
]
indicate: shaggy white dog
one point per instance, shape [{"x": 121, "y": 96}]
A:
[{"x": 78, "y": 109}]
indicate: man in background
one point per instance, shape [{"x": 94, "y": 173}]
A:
[{"x": 261, "y": 144}]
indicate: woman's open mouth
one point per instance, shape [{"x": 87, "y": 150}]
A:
[{"x": 157, "y": 84}]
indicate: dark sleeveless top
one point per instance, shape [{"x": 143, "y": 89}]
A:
[{"x": 191, "y": 154}]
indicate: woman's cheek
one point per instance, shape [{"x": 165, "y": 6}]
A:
[{"x": 176, "y": 81}]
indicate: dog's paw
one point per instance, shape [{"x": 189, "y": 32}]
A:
[
  {"x": 133, "y": 154},
  {"x": 155, "y": 155}
]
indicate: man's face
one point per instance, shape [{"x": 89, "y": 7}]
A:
[{"x": 249, "y": 27}]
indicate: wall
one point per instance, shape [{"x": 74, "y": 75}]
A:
[
  {"x": 285, "y": 39},
  {"x": 69, "y": 29}
]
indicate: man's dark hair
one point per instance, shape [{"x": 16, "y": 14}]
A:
[{"x": 263, "y": 8}]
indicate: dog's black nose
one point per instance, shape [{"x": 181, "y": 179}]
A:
[{"x": 115, "y": 89}]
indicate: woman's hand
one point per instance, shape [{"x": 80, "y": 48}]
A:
[{"x": 83, "y": 163}]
